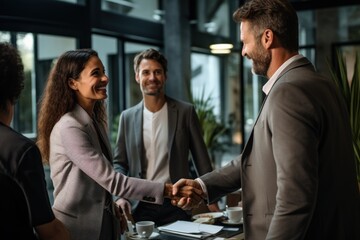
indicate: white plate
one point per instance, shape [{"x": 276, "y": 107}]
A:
[
  {"x": 208, "y": 215},
  {"x": 232, "y": 223}
]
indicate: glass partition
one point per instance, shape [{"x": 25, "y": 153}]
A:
[
  {"x": 107, "y": 48},
  {"x": 25, "y": 114},
  {"x": 80, "y": 2},
  {"x": 213, "y": 16},
  {"x": 38, "y": 52},
  {"x": 150, "y": 10}
]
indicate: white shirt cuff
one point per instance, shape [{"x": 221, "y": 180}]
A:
[{"x": 203, "y": 186}]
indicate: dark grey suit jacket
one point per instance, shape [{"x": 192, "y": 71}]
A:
[
  {"x": 297, "y": 171},
  {"x": 185, "y": 136}
]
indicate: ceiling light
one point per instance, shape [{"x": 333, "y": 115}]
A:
[
  {"x": 220, "y": 51},
  {"x": 219, "y": 46}
]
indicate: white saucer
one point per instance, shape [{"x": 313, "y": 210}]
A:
[
  {"x": 136, "y": 236},
  {"x": 212, "y": 215},
  {"x": 227, "y": 222}
]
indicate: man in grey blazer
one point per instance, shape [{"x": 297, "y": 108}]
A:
[
  {"x": 155, "y": 138},
  {"x": 297, "y": 170}
]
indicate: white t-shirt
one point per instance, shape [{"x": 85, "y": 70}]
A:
[{"x": 155, "y": 136}]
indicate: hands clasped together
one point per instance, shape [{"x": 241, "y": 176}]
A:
[{"x": 185, "y": 193}]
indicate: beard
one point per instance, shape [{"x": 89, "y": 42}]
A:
[{"x": 261, "y": 61}]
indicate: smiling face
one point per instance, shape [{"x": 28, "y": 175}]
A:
[
  {"x": 254, "y": 50},
  {"x": 151, "y": 77},
  {"x": 91, "y": 85}
]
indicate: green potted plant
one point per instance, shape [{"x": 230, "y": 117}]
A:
[
  {"x": 350, "y": 89},
  {"x": 212, "y": 127}
]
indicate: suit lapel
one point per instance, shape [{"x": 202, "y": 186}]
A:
[
  {"x": 103, "y": 138},
  {"x": 87, "y": 121},
  {"x": 172, "y": 122},
  {"x": 298, "y": 63},
  {"x": 248, "y": 145},
  {"x": 138, "y": 128}
]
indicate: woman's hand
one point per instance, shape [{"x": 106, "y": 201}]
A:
[{"x": 121, "y": 217}]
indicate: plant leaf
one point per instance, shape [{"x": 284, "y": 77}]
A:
[{"x": 351, "y": 94}]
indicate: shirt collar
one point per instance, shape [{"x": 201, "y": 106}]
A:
[{"x": 270, "y": 83}]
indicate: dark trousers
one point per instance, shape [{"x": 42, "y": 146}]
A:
[
  {"x": 107, "y": 226},
  {"x": 160, "y": 214}
]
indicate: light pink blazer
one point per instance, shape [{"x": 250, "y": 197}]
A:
[{"x": 82, "y": 175}]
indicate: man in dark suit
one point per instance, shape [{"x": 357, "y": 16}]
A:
[
  {"x": 155, "y": 138},
  {"x": 20, "y": 156},
  {"x": 297, "y": 170}
]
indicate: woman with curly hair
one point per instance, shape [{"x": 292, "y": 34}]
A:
[{"x": 73, "y": 139}]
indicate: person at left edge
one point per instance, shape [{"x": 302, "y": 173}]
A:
[
  {"x": 21, "y": 159},
  {"x": 73, "y": 138}
]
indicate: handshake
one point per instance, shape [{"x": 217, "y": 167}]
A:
[{"x": 185, "y": 193}]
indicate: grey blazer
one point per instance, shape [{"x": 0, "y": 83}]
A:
[
  {"x": 185, "y": 136},
  {"x": 297, "y": 170},
  {"x": 82, "y": 175}
]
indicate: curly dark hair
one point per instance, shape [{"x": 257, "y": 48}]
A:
[{"x": 11, "y": 74}]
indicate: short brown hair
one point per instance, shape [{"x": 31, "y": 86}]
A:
[
  {"x": 150, "y": 54},
  {"x": 277, "y": 15}
]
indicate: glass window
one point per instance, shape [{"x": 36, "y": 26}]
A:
[
  {"x": 52, "y": 46},
  {"x": 80, "y": 2},
  {"x": 5, "y": 36},
  {"x": 206, "y": 96},
  {"x": 49, "y": 47},
  {"x": 25, "y": 114},
  {"x": 213, "y": 16},
  {"x": 306, "y": 28},
  {"x": 216, "y": 79},
  {"x": 24, "y": 119},
  {"x": 231, "y": 108},
  {"x": 107, "y": 48},
  {"x": 205, "y": 77},
  {"x": 349, "y": 23},
  {"x": 148, "y": 10}
]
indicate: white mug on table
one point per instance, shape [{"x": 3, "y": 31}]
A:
[
  {"x": 145, "y": 228},
  {"x": 235, "y": 214}
]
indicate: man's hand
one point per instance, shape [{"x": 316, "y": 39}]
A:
[
  {"x": 214, "y": 207},
  {"x": 188, "y": 192},
  {"x": 168, "y": 190}
]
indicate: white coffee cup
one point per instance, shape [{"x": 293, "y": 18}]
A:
[
  {"x": 145, "y": 228},
  {"x": 235, "y": 214}
]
